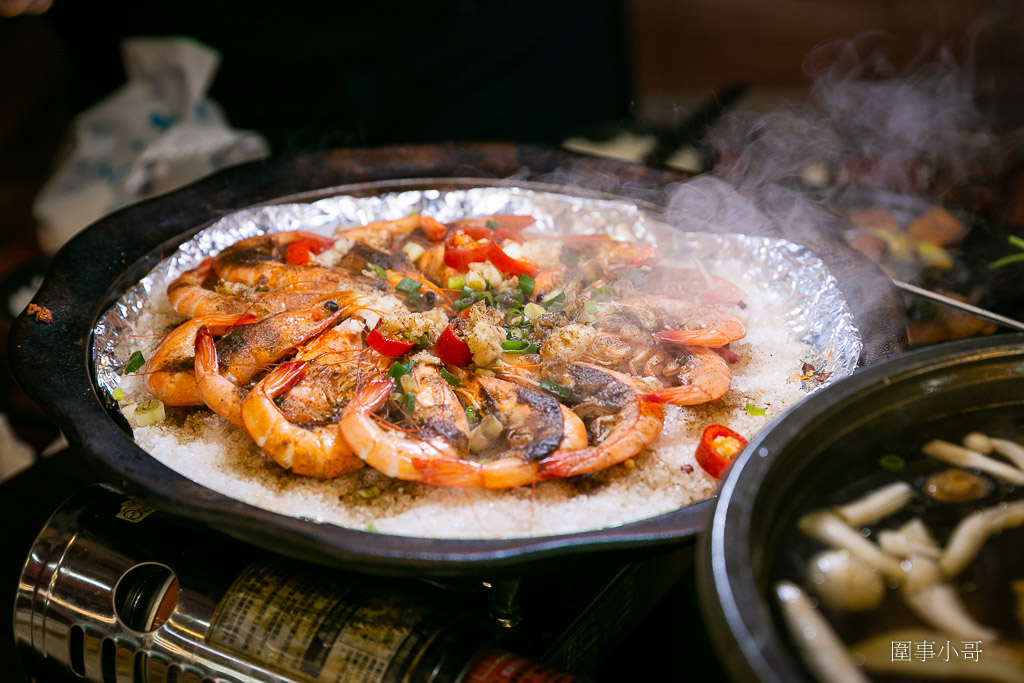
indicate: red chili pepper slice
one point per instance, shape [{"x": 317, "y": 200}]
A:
[
  {"x": 466, "y": 245},
  {"x": 387, "y": 346},
  {"x": 452, "y": 350},
  {"x": 301, "y": 251},
  {"x": 718, "y": 447},
  {"x": 434, "y": 229},
  {"x": 509, "y": 265}
]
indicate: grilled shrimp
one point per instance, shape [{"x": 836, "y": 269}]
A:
[
  {"x": 704, "y": 375},
  {"x": 170, "y": 374},
  {"x": 601, "y": 393},
  {"x": 382, "y": 235},
  {"x": 533, "y": 423},
  {"x": 310, "y": 450},
  {"x": 692, "y": 324},
  {"x": 222, "y": 370},
  {"x": 190, "y": 297},
  {"x": 529, "y": 426},
  {"x": 261, "y": 261},
  {"x": 394, "y": 451},
  {"x": 338, "y": 361},
  {"x": 432, "y": 458}
]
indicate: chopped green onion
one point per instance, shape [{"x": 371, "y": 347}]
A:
[
  {"x": 893, "y": 463},
  {"x": 490, "y": 427},
  {"x": 117, "y": 394},
  {"x": 518, "y": 346},
  {"x": 418, "y": 301},
  {"x": 135, "y": 361},
  {"x": 463, "y": 304},
  {"x": 369, "y": 492},
  {"x": 526, "y": 284},
  {"x": 410, "y": 403},
  {"x": 514, "y": 316},
  {"x": 372, "y": 529},
  {"x": 603, "y": 290},
  {"x": 532, "y": 310},
  {"x": 471, "y": 416},
  {"x": 1005, "y": 261},
  {"x": 512, "y": 299},
  {"x": 456, "y": 282},
  {"x": 398, "y": 369},
  {"x": 555, "y": 388},
  {"x": 413, "y": 250},
  {"x": 450, "y": 378},
  {"x": 1013, "y": 258},
  {"x": 262, "y": 289},
  {"x": 555, "y": 303},
  {"x": 570, "y": 259},
  {"x": 590, "y": 307},
  {"x": 408, "y": 285},
  {"x": 149, "y": 413},
  {"x": 476, "y": 281},
  {"x": 754, "y": 410},
  {"x": 379, "y": 271},
  {"x": 635, "y": 275},
  {"x": 409, "y": 383},
  {"x": 493, "y": 225}
]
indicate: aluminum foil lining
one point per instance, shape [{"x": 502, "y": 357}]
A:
[{"x": 818, "y": 314}]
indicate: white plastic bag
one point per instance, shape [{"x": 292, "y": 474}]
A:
[{"x": 156, "y": 133}]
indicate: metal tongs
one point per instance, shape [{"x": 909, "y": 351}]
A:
[{"x": 961, "y": 306}]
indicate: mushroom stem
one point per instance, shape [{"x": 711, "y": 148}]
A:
[
  {"x": 1011, "y": 450},
  {"x": 820, "y": 646},
  {"x": 876, "y": 505},
  {"x": 830, "y": 529},
  {"x": 913, "y": 538},
  {"x": 973, "y": 530},
  {"x": 965, "y": 457},
  {"x": 939, "y": 604}
]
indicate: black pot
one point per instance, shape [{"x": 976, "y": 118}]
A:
[
  {"x": 53, "y": 361},
  {"x": 825, "y": 443}
]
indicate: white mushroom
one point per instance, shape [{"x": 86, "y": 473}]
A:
[
  {"x": 913, "y": 538},
  {"x": 876, "y": 505},
  {"x": 830, "y": 529},
  {"x": 1011, "y": 450},
  {"x": 973, "y": 530},
  {"x": 820, "y": 646},
  {"x": 939, "y": 603},
  {"x": 965, "y": 457},
  {"x": 844, "y": 581}
]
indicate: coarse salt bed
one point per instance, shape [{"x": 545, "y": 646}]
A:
[{"x": 206, "y": 449}]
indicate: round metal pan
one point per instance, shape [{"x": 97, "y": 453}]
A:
[
  {"x": 821, "y": 446},
  {"x": 52, "y": 361}
]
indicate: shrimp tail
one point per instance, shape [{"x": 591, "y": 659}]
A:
[
  {"x": 685, "y": 395},
  {"x": 284, "y": 377},
  {"x": 219, "y": 393},
  {"x": 710, "y": 338},
  {"x": 449, "y": 472},
  {"x": 170, "y": 374}
]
